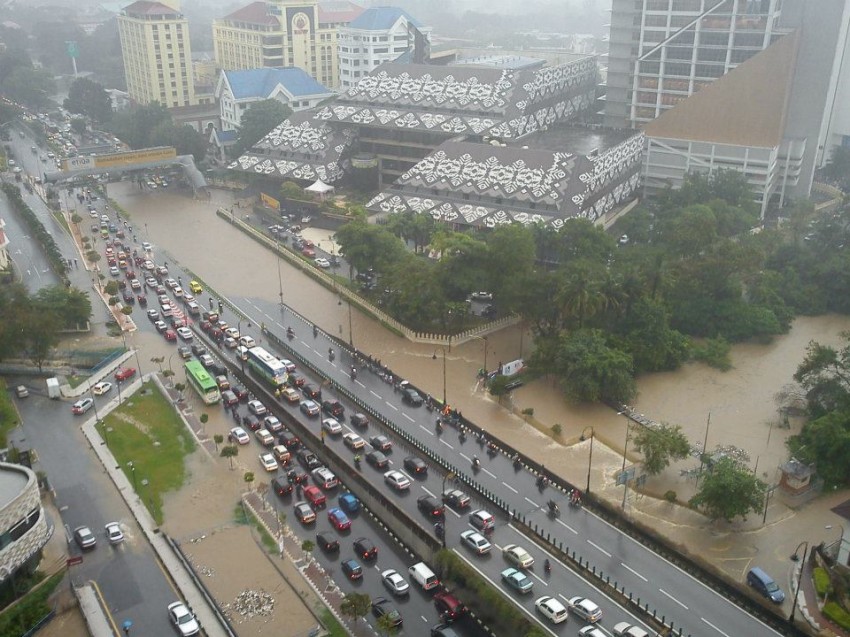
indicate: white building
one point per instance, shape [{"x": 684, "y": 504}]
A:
[
  {"x": 378, "y": 35},
  {"x": 4, "y": 246},
  {"x": 237, "y": 90}
]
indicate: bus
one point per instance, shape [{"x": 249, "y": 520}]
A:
[
  {"x": 267, "y": 367},
  {"x": 199, "y": 378}
]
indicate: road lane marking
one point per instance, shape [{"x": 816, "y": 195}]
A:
[
  {"x": 633, "y": 571},
  {"x": 599, "y": 548},
  {"x": 389, "y": 404},
  {"x": 533, "y": 503},
  {"x": 361, "y": 384},
  {"x": 510, "y": 487},
  {"x": 426, "y": 430},
  {"x": 673, "y": 598},
  {"x": 408, "y": 417},
  {"x": 375, "y": 395},
  {"x": 428, "y": 492},
  {"x": 423, "y": 619},
  {"x": 445, "y": 443},
  {"x": 566, "y": 526},
  {"x": 465, "y": 457},
  {"x": 703, "y": 619},
  {"x": 451, "y": 510},
  {"x": 492, "y": 475},
  {"x": 538, "y": 578}
]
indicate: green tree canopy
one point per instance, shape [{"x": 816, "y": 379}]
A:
[
  {"x": 257, "y": 121},
  {"x": 729, "y": 490},
  {"x": 136, "y": 125},
  {"x": 355, "y": 605},
  {"x": 21, "y": 82},
  {"x": 660, "y": 445},
  {"x": 89, "y": 98}
]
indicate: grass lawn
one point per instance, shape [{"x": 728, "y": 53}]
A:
[{"x": 147, "y": 431}]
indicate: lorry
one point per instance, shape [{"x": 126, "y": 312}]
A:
[{"x": 53, "y": 388}]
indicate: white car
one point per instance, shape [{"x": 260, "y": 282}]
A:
[
  {"x": 268, "y": 462},
  {"x": 625, "y": 629},
  {"x": 551, "y": 609},
  {"x": 239, "y": 436},
  {"x": 322, "y": 262},
  {"x": 114, "y": 533},
  {"x": 517, "y": 556},
  {"x": 591, "y": 631},
  {"x": 585, "y": 609},
  {"x": 288, "y": 364},
  {"x": 232, "y": 332},
  {"x": 353, "y": 441},
  {"x": 146, "y": 246},
  {"x": 185, "y": 333},
  {"x": 475, "y": 541},
  {"x": 395, "y": 583},
  {"x": 246, "y": 341},
  {"x": 171, "y": 283},
  {"x": 482, "y": 520},
  {"x": 183, "y": 619},
  {"x": 257, "y": 408},
  {"x": 114, "y": 271},
  {"x": 332, "y": 426},
  {"x": 101, "y": 388},
  {"x": 178, "y": 291},
  {"x": 93, "y": 214},
  {"x": 148, "y": 265},
  {"x": 397, "y": 480},
  {"x": 104, "y": 218}
]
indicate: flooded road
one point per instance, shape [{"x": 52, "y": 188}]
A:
[{"x": 741, "y": 401}]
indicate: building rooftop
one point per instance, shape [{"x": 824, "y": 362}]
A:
[
  {"x": 582, "y": 140},
  {"x": 501, "y": 62},
  {"x": 338, "y": 11},
  {"x": 254, "y": 13},
  {"x": 13, "y": 480},
  {"x": 147, "y": 8},
  {"x": 262, "y": 82},
  {"x": 381, "y": 19}
]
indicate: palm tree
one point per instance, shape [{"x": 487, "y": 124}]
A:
[{"x": 355, "y": 605}]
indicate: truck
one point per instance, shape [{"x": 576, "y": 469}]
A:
[{"x": 53, "y": 388}]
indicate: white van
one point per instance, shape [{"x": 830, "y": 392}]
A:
[{"x": 423, "y": 576}]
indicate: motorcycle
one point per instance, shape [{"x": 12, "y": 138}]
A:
[
  {"x": 554, "y": 509},
  {"x": 439, "y": 426},
  {"x": 541, "y": 482},
  {"x": 492, "y": 450},
  {"x": 439, "y": 530},
  {"x": 476, "y": 464},
  {"x": 290, "y": 334},
  {"x": 547, "y": 566},
  {"x": 353, "y": 373},
  {"x": 331, "y": 355},
  {"x": 517, "y": 463},
  {"x": 315, "y": 331},
  {"x": 462, "y": 436},
  {"x": 357, "y": 461}
]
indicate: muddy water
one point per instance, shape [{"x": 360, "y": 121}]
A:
[{"x": 740, "y": 401}]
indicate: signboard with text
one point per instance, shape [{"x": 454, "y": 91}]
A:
[{"x": 116, "y": 160}]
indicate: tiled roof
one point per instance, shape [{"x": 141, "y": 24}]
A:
[
  {"x": 381, "y": 19},
  {"x": 254, "y": 13},
  {"x": 145, "y": 7},
  {"x": 262, "y": 82},
  {"x": 338, "y": 12}
]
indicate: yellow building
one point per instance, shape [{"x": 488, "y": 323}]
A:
[
  {"x": 156, "y": 52},
  {"x": 283, "y": 33}
]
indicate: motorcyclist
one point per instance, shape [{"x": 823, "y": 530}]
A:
[
  {"x": 476, "y": 463},
  {"x": 331, "y": 353},
  {"x": 315, "y": 331},
  {"x": 357, "y": 460},
  {"x": 547, "y": 566}
]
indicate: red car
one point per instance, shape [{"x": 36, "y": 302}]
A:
[
  {"x": 143, "y": 300},
  {"x": 124, "y": 373},
  {"x": 170, "y": 335},
  {"x": 307, "y": 251},
  {"x": 314, "y": 496}
]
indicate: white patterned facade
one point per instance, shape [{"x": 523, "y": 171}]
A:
[{"x": 24, "y": 527}]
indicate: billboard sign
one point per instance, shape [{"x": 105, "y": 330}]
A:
[{"x": 120, "y": 160}]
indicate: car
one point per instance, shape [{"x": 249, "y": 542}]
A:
[
  {"x": 135, "y": 284},
  {"x": 241, "y": 392},
  {"x": 125, "y": 373},
  {"x": 185, "y": 333},
  {"x": 582, "y": 607},
  {"x": 412, "y": 397},
  {"x": 268, "y": 462},
  {"x": 21, "y": 391},
  {"x": 289, "y": 440},
  {"x": 290, "y": 395},
  {"x": 353, "y": 441},
  {"x": 101, "y": 388},
  {"x": 232, "y": 332},
  {"x": 315, "y": 496},
  {"x": 339, "y": 519},
  {"x": 449, "y": 607},
  {"x": 429, "y": 505},
  {"x": 239, "y": 436},
  {"x": 323, "y": 477},
  {"x": 309, "y": 459},
  {"x": 198, "y": 349},
  {"x": 114, "y": 271},
  {"x": 166, "y": 309},
  {"x": 475, "y": 541},
  {"x": 377, "y": 459},
  {"x": 397, "y": 480},
  {"x": 114, "y": 533},
  {"x": 272, "y": 424},
  {"x": 625, "y": 629},
  {"x": 307, "y": 251},
  {"x": 456, "y": 499},
  {"x": 171, "y": 283},
  {"x": 264, "y": 437},
  {"x": 366, "y": 549},
  {"x": 257, "y": 408},
  {"x": 84, "y": 537},
  {"x": 322, "y": 262},
  {"x": 296, "y": 380},
  {"x": 183, "y": 619},
  {"x": 352, "y": 569},
  {"x": 349, "y": 503},
  {"x": 381, "y": 443},
  {"x": 304, "y": 513},
  {"x": 128, "y": 297},
  {"x": 247, "y": 341},
  {"x": 170, "y": 335},
  {"x": 331, "y": 426},
  {"x": 153, "y": 315},
  {"x": 281, "y": 487},
  {"x": 178, "y": 292},
  {"x": 281, "y": 454},
  {"x": 327, "y": 542},
  {"x": 482, "y": 296},
  {"x": 82, "y": 406},
  {"x": 311, "y": 391},
  {"x": 288, "y": 365},
  {"x": 591, "y": 631},
  {"x": 160, "y": 326},
  {"x": 443, "y": 630},
  {"x": 359, "y": 420},
  {"x": 416, "y": 465},
  {"x": 517, "y": 580},
  {"x": 482, "y": 520},
  {"x": 333, "y": 407},
  {"x": 551, "y": 609},
  {"x": 381, "y": 607},
  {"x": 310, "y": 408},
  {"x": 517, "y": 556},
  {"x": 195, "y": 287},
  {"x": 184, "y": 352}
]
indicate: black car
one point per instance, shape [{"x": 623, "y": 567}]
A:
[
  {"x": 412, "y": 397},
  {"x": 456, "y": 499},
  {"x": 217, "y": 369},
  {"x": 241, "y": 392},
  {"x": 381, "y": 606},
  {"x": 295, "y": 380},
  {"x": 359, "y": 420},
  {"x": 281, "y": 487},
  {"x": 289, "y": 440},
  {"x": 416, "y": 465},
  {"x": 352, "y": 569},
  {"x": 228, "y": 398},
  {"x": 251, "y": 422},
  {"x": 333, "y": 407},
  {"x": 431, "y": 507},
  {"x": 381, "y": 443},
  {"x": 365, "y": 548},
  {"x": 308, "y": 459},
  {"x": 311, "y": 391},
  {"x": 293, "y": 476},
  {"x": 377, "y": 459},
  {"x": 128, "y": 297},
  {"x": 184, "y": 352},
  {"x": 327, "y": 543}
]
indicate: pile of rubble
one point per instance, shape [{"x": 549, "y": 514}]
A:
[{"x": 249, "y": 604}]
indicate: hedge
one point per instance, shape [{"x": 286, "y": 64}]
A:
[
  {"x": 837, "y": 614},
  {"x": 29, "y": 610},
  {"x": 821, "y": 578}
]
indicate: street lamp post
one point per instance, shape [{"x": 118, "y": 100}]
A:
[
  {"x": 434, "y": 357},
  {"x": 448, "y": 476},
  {"x": 132, "y": 468},
  {"x": 796, "y": 558},
  {"x": 828, "y": 527},
  {"x": 239, "y": 329},
  {"x": 590, "y": 456},
  {"x": 486, "y": 345},
  {"x": 623, "y": 471}
]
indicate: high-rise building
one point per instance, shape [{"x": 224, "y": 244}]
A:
[
  {"x": 157, "y": 54},
  {"x": 378, "y": 35},
  {"x": 282, "y": 33}
]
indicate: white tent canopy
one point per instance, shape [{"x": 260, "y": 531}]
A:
[{"x": 319, "y": 187}]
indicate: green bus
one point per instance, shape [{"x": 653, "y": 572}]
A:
[{"x": 203, "y": 383}]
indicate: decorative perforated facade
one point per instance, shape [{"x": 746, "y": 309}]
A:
[{"x": 24, "y": 528}]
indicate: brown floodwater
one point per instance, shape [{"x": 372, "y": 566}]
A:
[{"x": 740, "y": 402}]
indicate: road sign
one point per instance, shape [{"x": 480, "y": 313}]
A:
[
  {"x": 72, "y": 49},
  {"x": 73, "y": 561}
]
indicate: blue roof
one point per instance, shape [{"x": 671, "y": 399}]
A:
[
  {"x": 262, "y": 82},
  {"x": 381, "y": 19}
]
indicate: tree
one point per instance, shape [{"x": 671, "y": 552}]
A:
[
  {"x": 136, "y": 125},
  {"x": 89, "y": 98},
  {"x": 355, "y": 605},
  {"x": 249, "y": 478},
  {"x": 79, "y": 126},
  {"x": 41, "y": 335},
  {"x": 260, "y": 118},
  {"x": 217, "y": 439},
  {"x": 660, "y": 445},
  {"x": 825, "y": 442},
  {"x": 230, "y": 452},
  {"x": 729, "y": 490},
  {"x": 825, "y": 376},
  {"x": 385, "y": 625},
  {"x": 185, "y": 139}
]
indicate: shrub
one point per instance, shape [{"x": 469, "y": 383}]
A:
[
  {"x": 670, "y": 496},
  {"x": 557, "y": 429},
  {"x": 528, "y": 412},
  {"x": 837, "y": 614},
  {"x": 714, "y": 352},
  {"x": 821, "y": 577}
]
